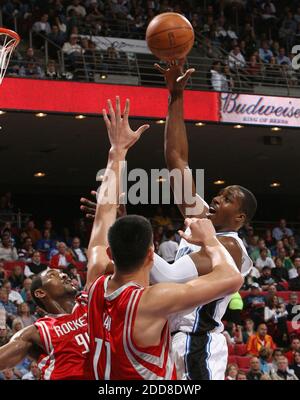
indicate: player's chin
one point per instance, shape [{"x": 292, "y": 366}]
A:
[{"x": 70, "y": 288}]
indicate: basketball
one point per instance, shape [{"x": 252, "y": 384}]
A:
[{"x": 170, "y": 36}]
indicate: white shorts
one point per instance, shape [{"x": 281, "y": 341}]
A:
[{"x": 200, "y": 357}]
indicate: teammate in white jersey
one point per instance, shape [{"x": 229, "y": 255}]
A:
[{"x": 200, "y": 348}]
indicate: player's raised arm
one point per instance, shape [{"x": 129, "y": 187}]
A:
[
  {"x": 168, "y": 298},
  {"x": 121, "y": 138},
  {"x": 19, "y": 346},
  {"x": 176, "y": 143}
]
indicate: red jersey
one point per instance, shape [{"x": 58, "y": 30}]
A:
[
  {"x": 113, "y": 351},
  {"x": 66, "y": 343}
]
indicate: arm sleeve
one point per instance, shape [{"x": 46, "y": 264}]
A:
[{"x": 183, "y": 270}]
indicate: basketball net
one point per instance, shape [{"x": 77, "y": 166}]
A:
[{"x": 9, "y": 40}]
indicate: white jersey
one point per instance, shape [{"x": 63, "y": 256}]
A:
[{"x": 207, "y": 318}]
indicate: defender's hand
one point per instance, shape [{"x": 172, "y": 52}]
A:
[
  {"x": 202, "y": 232},
  {"x": 121, "y": 136}
]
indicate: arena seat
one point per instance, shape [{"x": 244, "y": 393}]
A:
[
  {"x": 240, "y": 349},
  {"x": 243, "y": 362},
  {"x": 285, "y": 295},
  {"x": 232, "y": 360},
  {"x": 9, "y": 265}
]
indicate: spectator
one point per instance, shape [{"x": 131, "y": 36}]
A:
[
  {"x": 241, "y": 376},
  {"x": 31, "y": 70},
  {"x": 17, "y": 277},
  {"x": 46, "y": 244},
  {"x": 78, "y": 252},
  {"x": 266, "y": 279},
  {"x": 51, "y": 71},
  {"x": 13, "y": 295},
  {"x": 26, "y": 294},
  {"x": 42, "y": 26},
  {"x": 27, "y": 250},
  {"x": 62, "y": 259},
  {"x": 49, "y": 226},
  {"x": 275, "y": 318},
  {"x": 218, "y": 79},
  {"x": 254, "y": 374},
  {"x": 73, "y": 50},
  {"x": 3, "y": 273},
  {"x": 7, "y": 251},
  {"x": 17, "y": 325},
  {"x": 168, "y": 249},
  {"x": 24, "y": 314},
  {"x": 295, "y": 346},
  {"x": 294, "y": 284},
  {"x": 255, "y": 304},
  {"x": 277, "y": 353},
  {"x": 283, "y": 372},
  {"x": 34, "y": 374},
  {"x": 78, "y": 8},
  {"x": 35, "y": 266},
  {"x": 265, "y": 54},
  {"x": 9, "y": 375},
  {"x": 58, "y": 38},
  {"x": 264, "y": 260},
  {"x": 282, "y": 230},
  {"x": 235, "y": 59},
  {"x": 264, "y": 356},
  {"x": 231, "y": 372},
  {"x": 268, "y": 238},
  {"x": 287, "y": 262},
  {"x": 233, "y": 333},
  {"x": 288, "y": 28},
  {"x": 279, "y": 273},
  {"x": 74, "y": 275},
  {"x": 295, "y": 365},
  {"x": 261, "y": 245},
  {"x": 259, "y": 340},
  {"x": 10, "y": 308},
  {"x": 248, "y": 330},
  {"x": 292, "y": 272},
  {"x": 282, "y": 58},
  {"x": 291, "y": 307},
  {"x": 32, "y": 232}
]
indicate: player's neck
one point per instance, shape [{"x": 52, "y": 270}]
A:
[
  {"x": 226, "y": 229},
  {"x": 61, "y": 306},
  {"x": 141, "y": 277}
]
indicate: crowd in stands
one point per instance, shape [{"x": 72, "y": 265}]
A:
[{"x": 249, "y": 37}]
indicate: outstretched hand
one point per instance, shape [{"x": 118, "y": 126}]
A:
[
  {"x": 176, "y": 78},
  {"x": 89, "y": 207},
  {"x": 121, "y": 136},
  {"x": 202, "y": 231}
]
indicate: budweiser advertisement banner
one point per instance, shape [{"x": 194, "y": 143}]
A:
[{"x": 260, "y": 110}]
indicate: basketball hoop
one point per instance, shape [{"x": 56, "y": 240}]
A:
[{"x": 9, "y": 40}]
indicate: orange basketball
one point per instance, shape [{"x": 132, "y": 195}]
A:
[{"x": 170, "y": 36}]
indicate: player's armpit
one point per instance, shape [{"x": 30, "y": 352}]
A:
[{"x": 19, "y": 347}]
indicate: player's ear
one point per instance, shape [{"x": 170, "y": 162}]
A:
[
  {"x": 241, "y": 218},
  {"x": 151, "y": 253},
  {"x": 40, "y": 293},
  {"x": 108, "y": 252}
]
